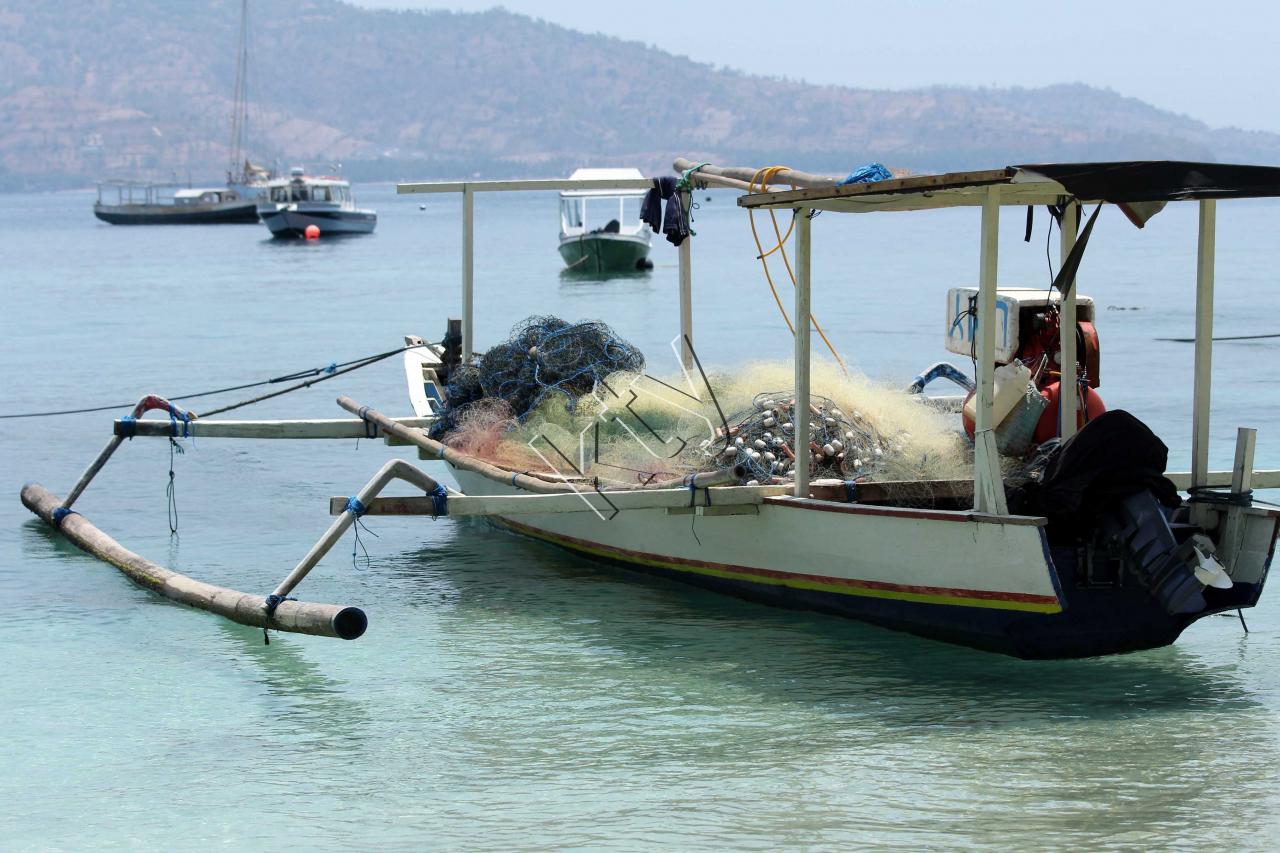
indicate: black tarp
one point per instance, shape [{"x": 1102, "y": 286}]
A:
[
  {"x": 1113, "y": 456},
  {"x": 1160, "y": 180}
]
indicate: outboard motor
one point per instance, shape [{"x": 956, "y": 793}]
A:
[
  {"x": 1162, "y": 566},
  {"x": 1106, "y": 485}
]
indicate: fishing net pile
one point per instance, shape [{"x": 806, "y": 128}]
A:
[
  {"x": 555, "y": 391},
  {"x": 543, "y": 358}
]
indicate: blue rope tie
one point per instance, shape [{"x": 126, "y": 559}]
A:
[
  {"x": 356, "y": 507},
  {"x": 128, "y": 426},
  {"x": 851, "y": 491},
  {"x": 693, "y": 488},
  {"x": 274, "y": 601},
  {"x": 439, "y": 501},
  {"x": 332, "y": 368},
  {"x": 59, "y": 515},
  {"x": 175, "y": 415}
]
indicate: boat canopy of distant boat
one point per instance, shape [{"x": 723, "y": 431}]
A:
[
  {"x": 290, "y": 206},
  {"x": 600, "y": 229}
]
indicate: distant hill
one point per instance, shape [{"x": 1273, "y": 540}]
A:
[{"x": 142, "y": 88}]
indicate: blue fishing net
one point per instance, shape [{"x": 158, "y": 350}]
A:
[{"x": 543, "y": 357}]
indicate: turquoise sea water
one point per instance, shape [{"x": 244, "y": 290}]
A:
[{"x": 508, "y": 696}]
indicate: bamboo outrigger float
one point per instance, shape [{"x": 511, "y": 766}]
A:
[{"x": 973, "y": 573}]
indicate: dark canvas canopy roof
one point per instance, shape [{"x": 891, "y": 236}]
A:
[
  {"x": 1160, "y": 180},
  {"x": 1126, "y": 182}
]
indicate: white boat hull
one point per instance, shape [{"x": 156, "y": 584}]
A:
[
  {"x": 990, "y": 582},
  {"x": 869, "y": 562},
  {"x": 289, "y": 221}
]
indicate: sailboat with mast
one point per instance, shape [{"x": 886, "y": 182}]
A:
[{"x": 147, "y": 203}]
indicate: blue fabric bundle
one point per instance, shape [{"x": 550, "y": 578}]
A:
[{"x": 867, "y": 174}]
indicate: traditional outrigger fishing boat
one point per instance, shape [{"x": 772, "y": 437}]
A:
[{"x": 1094, "y": 552}]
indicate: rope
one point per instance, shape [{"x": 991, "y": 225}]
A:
[
  {"x": 59, "y": 515},
  {"x": 440, "y": 501},
  {"x": 273, "y": 601},
  {"x": 357, "y": 510},
  {"x": 175, "y": 415},
  {"x": 851, "y": 491},
  {"x": 332, "y": 369},
  {"x": 170, "y": 490},
  {"x": 762, "y": 178},
  {"x": 355, "y": 366},
  {"x": 1220, "y": 495}
]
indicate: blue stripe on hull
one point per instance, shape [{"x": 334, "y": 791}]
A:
[{"x": 1095, "y": 621}]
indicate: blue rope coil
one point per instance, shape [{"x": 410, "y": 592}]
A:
[
  {"x": 59, "y": 515},
  {"x": 128, "y": 426},
  {"x": 851, "y": 491},
  {"x": 439, "y": 501},
  {"x": 356, "y": 507}
]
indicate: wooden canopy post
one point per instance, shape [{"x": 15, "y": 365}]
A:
[
  {"x": 988, "y": 487},
  {"x": 1206, "y": 247},
  {"x": 1068, "y": 401},
  {"x": 686, "y": 292},
  {"x": 468, "y": 271},
  {"x": 800, "y": 411}
]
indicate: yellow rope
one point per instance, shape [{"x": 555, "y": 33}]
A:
[{"x": 762, "y": 178}]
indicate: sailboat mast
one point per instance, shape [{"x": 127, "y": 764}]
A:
[{"x": 240, "y": 107}]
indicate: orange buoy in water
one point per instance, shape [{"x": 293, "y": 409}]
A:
[
  {"x": 312, "y": 232},
  {"x": 1047, "y": 428}
]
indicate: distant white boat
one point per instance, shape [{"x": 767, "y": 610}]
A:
[
  {"x": 292, "y": 205},
  {"x": 600, "y": 230}
]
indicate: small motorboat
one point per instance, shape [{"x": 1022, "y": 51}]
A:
[
  {"x": 294, "y": 204},
  {"x": 600, "y": 229}
]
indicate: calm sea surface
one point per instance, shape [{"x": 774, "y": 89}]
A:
[{"x": 511, "y": 697}]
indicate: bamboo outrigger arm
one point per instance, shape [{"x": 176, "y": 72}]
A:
[{"x": 326, "y": 620}]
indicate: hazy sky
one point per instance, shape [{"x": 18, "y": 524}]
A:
[{"x": 1218, "y": 62}]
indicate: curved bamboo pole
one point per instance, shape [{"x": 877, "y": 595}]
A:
[
  {"x": 525, "y": 482},
  {"x": 146, "y": 404},
  {"x": 744, "y": 177},
  {"x": 325, "y": 620}
]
